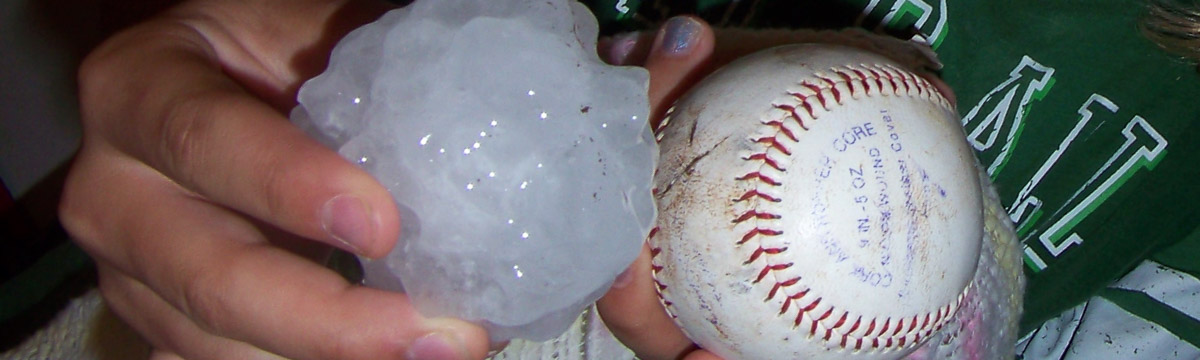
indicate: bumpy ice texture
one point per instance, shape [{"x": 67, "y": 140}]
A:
[{"x": 521, "y": 162}]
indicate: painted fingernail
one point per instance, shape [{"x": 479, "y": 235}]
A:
[
  {"x": 435, "y": 346},
  {"x": 347, "y": 219},
  {"x": 680, "y": 35}
]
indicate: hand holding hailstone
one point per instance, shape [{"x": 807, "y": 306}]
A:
[{"x": 521, "y": 162}]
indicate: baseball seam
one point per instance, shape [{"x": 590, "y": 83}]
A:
[
  {"x": 813, "y": 98},
  {"x": 809, "y": 102}
]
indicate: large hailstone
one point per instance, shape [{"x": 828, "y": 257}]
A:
[{"x": 521, "y": 162}]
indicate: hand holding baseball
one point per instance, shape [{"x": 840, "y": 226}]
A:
[{"x": 742, "y": 162}]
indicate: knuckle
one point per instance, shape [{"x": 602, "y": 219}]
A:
[
  {"x": 181, "y": 133},
  {"x": 276, "y": 184},
  {"x": 74, "y": 211},
  {"x": 371, "y": 348},
  {"x": 203, "y": 297},
  {"x": 338, "y": 348},
  {"x": 96, "y": 79}
]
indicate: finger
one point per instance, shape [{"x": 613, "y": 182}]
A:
[
  {"x": 164, "y": 326},
  {"x": 163, "y": 355},
  {"x": 676, "y": 60},
  {"x": 632, "y": 311},
  {"x": 631, "y": 308},
  {"x": 217, "y": 270},
  {"x": 271, "y": 47},
  {"x": 197, "y": 127},
  {"x": 701, "y": 355},
  {"x": 626, "y": 48}
]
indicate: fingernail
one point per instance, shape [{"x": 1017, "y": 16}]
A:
[
  {"x": 347, "y": 219},
  {"x": 624, "y": 279},
  {"x": 680, "y": 35},
  {"x": 435, "y": 346},
  {"x": 619, "y": 48}
]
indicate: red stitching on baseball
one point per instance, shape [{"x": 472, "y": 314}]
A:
[
  {"x": 857, "y": 323},
  {"x": 767, "y": 269},
  {"x": 766, "y": 159},
  {"x": 837, "y": 94},
  {"x": 870, "y": 328},
  {"x": 902, "y": 83},
  {"x": 775, "y": 289},
  {"x": 864, "y": 79},
  {"x": 891, "y": 78},
  {"x": 792, "y": 110},
  {"x": 754, "y": 214},
  {"x": 761, "y": 250},
  {"x": 659, "y": 287},
  {"x": 840, "y": 321},
  {"x": 791, "y": 300},
  {"x": 773, "y": 143},
  {"x": 819, "y": 319},
  {"x": 814, "y": 87},
  {"x": 845, "y": 80},
  {"x": 658, "y": 131},
  {"x": 759, "y": 176},
  {"x": 889, "y": 333},
  {"x": 754, "y": 193},
  {"x": 756, "y": 232},
  {"x": 878, "y": 80},
  {"x": 778, "y": 125},
  {"x": 817, "y": 91}
]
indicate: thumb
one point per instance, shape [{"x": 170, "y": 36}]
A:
[{"x": 677, "y": 59}]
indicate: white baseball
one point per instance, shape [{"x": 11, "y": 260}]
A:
[{"x": 815, "y": 202}]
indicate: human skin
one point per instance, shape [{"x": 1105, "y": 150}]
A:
[
  {"x": 206, "y": 210},
  {"x": 208, "y": 213}
]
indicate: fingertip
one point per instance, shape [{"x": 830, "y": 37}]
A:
[
  {"x": 354, "y": 211},
  {"x": 626, "y": 48},
  {"x": 701, "y": 354},
  {"x": 634, "y": 314},
  {"x": 387, "y": 219},
  {"x": 449, "y": 338},
  {"x": 679, "y": 55},
  {"x": 348, "y": 220},
  {"x": 360, "y": 223},
  {"x": 680, "y": 36}
]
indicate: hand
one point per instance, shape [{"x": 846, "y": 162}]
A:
[
  {"x": 678, "y": 55},
  {"x": 198, "y": 199}
]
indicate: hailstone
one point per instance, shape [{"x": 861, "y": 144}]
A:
[{"x": 521, "y": 162}]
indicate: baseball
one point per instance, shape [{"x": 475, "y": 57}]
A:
[{"x": 815, "y": 202}]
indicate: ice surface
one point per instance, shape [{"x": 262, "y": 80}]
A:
[{"x": 521, "y": 162}]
